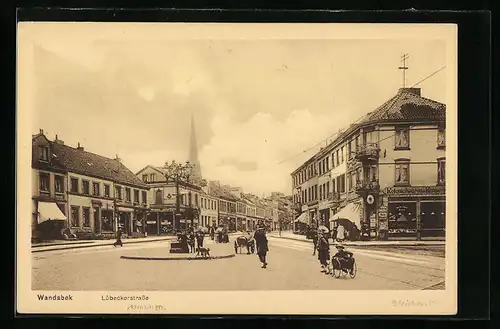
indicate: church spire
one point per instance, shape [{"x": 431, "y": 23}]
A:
[{"x": 193, "y": 152}]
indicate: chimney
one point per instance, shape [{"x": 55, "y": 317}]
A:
[
  {"x": 415, "y": 91},
  {"x": 80, "y": 148},
  {"x": 117, "y": 158},
  {"x": 58, "y": 141},
  {"x": 41, "y": 131}
]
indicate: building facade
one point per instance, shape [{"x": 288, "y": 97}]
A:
[
  {"x": 163, "y": 216},
  {"x": 100, "y": 193},
  {"x": 209, "y": 210},
  {"x": 391, "y": 179}
]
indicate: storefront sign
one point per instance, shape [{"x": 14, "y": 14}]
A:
[
  {"x": 151, "y": 222},
  {"x": 420, "y": 190}
]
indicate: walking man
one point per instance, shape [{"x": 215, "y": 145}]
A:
[
  {"x": 315, "y": 241},
  {"x": 262, "y": 245},
  {"x": 199, "y": 239},
  {"x": 118, "y": 241}
]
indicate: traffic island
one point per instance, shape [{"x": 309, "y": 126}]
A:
[{"x": 217, "y": 251}]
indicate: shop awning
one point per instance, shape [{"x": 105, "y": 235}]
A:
[
  {"x": 303, "y": 218},
  {"x": 350, "y": 212},
  {"x": 49, "y": 211}
]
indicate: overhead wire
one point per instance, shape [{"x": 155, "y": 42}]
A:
[{"x": 355, "y": 122}]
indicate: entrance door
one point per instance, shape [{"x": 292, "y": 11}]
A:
[{"x": 97, "y": 220}]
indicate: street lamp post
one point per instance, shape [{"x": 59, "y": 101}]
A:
[{"x": 178, "y": 172}]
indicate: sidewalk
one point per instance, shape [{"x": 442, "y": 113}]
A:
[
  {"x": 63, "y": 244},
  {"x": 89, "y": 244},
  {"x": 291, "y": 236},
  {"x": 217, "y": 251}
]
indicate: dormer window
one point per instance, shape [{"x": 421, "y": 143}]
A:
[{"x": 44, "y": 153}]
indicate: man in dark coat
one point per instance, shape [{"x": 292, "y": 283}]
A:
[
  {"x": 199, "y": 239},
  {"x": 118, "y": 241},
  {"x": 262, "y": 245},
  {"x": 315, "y": 241}
]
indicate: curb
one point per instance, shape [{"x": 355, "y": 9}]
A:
[
  {"x": 438, "y": 243},
  {"x": 91, "y": 244},
  {"x": 176, "y": 258},
  {"x": 62, "y": 244}
]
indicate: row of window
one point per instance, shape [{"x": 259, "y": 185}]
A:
[
  {"x": 148, "y": 178},
  {"x": 45, "y": 183},
  {"x": 96, "y": 190},
  {"x": 227, "y": 206},
  {"x": 312, "y": 193},
  {"x": 241, "y": 208},
  {"x": 401, "y": 142},
  {"x": 208, "y": 204},
  {"x": 402, "y": 177}
]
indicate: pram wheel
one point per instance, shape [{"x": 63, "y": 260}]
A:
[
  {"x": 336, "y": 268},
  {"x": 354, "y": 270}
]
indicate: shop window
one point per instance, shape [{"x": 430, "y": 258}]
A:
[
  {"x": 59, "y": 184},
  {"x": 441, "y": 174},
  {"x": 402, "y": 138},
  {"x": 441, "y": 138},
  {"x": 402, "y": 172},
  {"x": 107, "y": 220},
  {"x": 86, "y": 217},
  {"x": 402, "y": 218},
  {"x": 44, "y": 183},
  {"x": 75, "y": 216},
  {"x": 432, "y": 215},
  {"x": 74, "y": 185}
]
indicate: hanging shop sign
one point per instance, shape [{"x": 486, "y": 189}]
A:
[
  {"x": 370, "y": 199},
  {"x": 416, "y": 190}
]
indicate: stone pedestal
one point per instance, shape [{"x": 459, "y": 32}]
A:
[{"x": 179, "y": 248}]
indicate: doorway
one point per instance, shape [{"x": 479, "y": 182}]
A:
[{"x": 97, "y": 220}]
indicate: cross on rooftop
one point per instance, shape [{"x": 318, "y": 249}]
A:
[{"x": 404, "y": 68}]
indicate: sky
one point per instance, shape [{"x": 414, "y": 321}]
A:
[{"x": 255, "y": 101}]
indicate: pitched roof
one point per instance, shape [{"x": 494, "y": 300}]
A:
[
  {"x": 86, "y": 163},
  {"x": 407, "y": 105},
  {"x": 220, "y": 192}
]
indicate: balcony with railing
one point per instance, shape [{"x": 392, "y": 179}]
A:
[
  {"x": 363, "y": 187},
  {"x": 334, "y": 197},
  {"x": 367, "y": 152}
]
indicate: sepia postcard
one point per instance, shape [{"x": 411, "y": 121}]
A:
[{"x": 179, "y": 168}]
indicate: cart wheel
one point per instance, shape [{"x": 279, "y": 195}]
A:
[
  {"x": 352, "y": 274},
  {"x": 336, "y": 268}
]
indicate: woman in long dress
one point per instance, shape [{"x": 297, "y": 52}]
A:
[
  {"x": 323, "y": 252},
  {"x": 340, "y": 233}
]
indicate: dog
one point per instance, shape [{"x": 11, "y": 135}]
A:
[{"x": 203, "y": 252}]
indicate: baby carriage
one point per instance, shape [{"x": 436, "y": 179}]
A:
[{"x": 343, "y": 263}]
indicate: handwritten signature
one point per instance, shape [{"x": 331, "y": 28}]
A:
[
  {"x": 145, "y": 307},
  {"x": 411, "y": 303}
]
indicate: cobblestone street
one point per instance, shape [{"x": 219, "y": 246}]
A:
[{"x": 291, "y": 267}]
